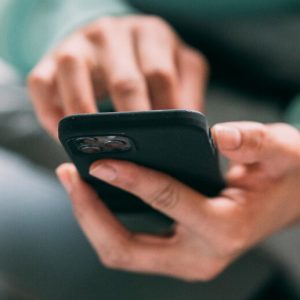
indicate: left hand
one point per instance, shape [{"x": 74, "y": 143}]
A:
[
  {"x": 139, "y": 61},
  {"x": 262, "y": 197}
]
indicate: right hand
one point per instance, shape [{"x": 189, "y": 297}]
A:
[
  {"x": 138, "y": 61},
  {"x": 261, "y": 198}
]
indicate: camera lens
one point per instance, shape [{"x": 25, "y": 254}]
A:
[
  {"x": 89, "y": 149},
  {"x": 115, "y": 145},
  {"x": 86, "y": 140}
]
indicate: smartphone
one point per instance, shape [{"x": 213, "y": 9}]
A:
[{"x": 176, "y": 142}]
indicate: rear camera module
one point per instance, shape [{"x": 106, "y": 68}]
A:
[{"x": 102, "y": 144}]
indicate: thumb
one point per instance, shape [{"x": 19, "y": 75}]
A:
[{"x": 243, "y": 142}]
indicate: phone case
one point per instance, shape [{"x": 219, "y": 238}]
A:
[{"x": 176, "y": 142}]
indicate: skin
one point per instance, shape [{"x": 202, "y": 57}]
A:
[
  {"x": 142, "y": 64},
  {"x": 261, "y": 198},
  {"x": 138, "y": 61}
]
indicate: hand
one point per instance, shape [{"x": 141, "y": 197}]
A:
[
  {"x": 262, "y": 197},
  {"x": 138, "y": 61}
]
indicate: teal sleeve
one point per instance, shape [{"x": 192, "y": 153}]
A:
[{"x": 29, "y": 27}]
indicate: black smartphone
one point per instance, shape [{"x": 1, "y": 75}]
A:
[{"x": 176, "y": 142}]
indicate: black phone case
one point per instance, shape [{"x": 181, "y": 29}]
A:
[{"x": 176, "y": 142}]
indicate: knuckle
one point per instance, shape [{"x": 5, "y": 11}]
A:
[
  {"x": 155, "y": 21},
  {"x": 125, "y": 86},
  {"x": 68, "y": 57},
  {"x": 195, "y": 61},
  {"x": 79, "y": 104},
  {"x": 37, "y": 80},
  {"x": 257, "y": 137},
  {"x": 130, "y": 181},
  {"x": 198, "y": 61},
  {"x": 260, "y": 130},
  {"x": 162, "y": 74},
  {"x": 100, "y": 31},
  {"x": 165, "y": 198}
]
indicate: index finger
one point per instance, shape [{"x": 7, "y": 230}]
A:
[
  {"x": 117, "y": 60},
  {"x": 158, "y": 190},
  {"x": 193, "y": 73},
  {"x": 74, "y": 77},
  {"x": 44, "y": 94},
  {"x": 115, "y": 245}
]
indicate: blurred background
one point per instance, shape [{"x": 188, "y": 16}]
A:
[{"x": 254, "y": 53}]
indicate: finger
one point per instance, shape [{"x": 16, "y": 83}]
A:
[
  {"x": 242, "y": 142},
  {"x": 98, "y": 223},
  {"x": 156, "y": 189},
  {"x": 117, "y": 58},
  {"x": 155, "y": 46},
  {"x": 74, "y": 77},
  {"x": 193, "y": 74},
  {"x": 44, "y": 94},
  {"x": 116, "y": 246},
  {"x": 247, "y": 177},
  {"x": 250, "y": 142},
  {"x": 98, "y": 81}
]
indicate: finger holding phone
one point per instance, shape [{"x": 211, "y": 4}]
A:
[
  {"x": 138, "y": 61},
  {"x": 261, "y": 198}
]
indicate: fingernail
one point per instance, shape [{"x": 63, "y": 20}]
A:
[
  {"x": 103, "y": 171},
  {"x": 65, "y": 177},
  {"x": 228, "y": 137}
]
